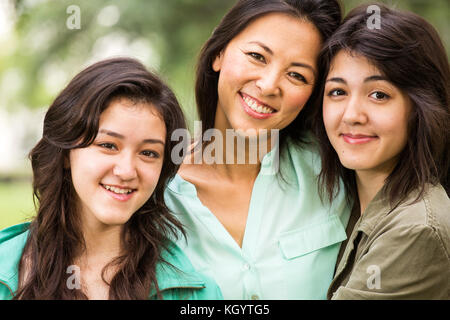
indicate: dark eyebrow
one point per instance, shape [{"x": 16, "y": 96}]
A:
[
  {"x": 120, "y": 136},
  {"x": 375, "y": 78},
  {"x": 368, "y": 79},
  {"x": 335, "y": 79},
  {"x": 294, "y": 64},
  {"x": 262, "y": 45}
]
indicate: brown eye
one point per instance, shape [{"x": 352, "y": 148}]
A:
[
  {"x": 297, "y": 76},
  {"x": 336, "y": 92},
  {"x": 107, "y": 145},
  {"x": 378, "y": 95},
  {"x": 150, "y": 154},
  {"x": 257, "y": 56}
]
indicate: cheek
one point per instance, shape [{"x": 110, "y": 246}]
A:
[
  {"x": 295, "y": 101},
  {"x": 232, "y": 73},
  {"x": 393, "y": 128},
  {"x": 292, "y": 105},
  {"x": 150, "y": 176},
  {"x": 331, "y": 117},
  {"x": 87, "y": 170}
]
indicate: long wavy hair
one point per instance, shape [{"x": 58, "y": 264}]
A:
[
  {"x": 55, "y": 237},
  {"x": 409, "y": 52}
]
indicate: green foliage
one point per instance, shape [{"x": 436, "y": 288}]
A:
[{"x": 175, "y": 29}]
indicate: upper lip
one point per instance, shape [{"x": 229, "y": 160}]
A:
[
  {"x": 119, "y": 187},
  {"x": 258, "y": 101}
]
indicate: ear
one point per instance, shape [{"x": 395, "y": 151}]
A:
[{"x": 217, "y": 63}]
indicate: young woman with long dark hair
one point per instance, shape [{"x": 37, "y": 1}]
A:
[
  {"x": 260, "y": 232},
  {"x": 99, "y": 174},
  {"x": 385, "y": 134}
]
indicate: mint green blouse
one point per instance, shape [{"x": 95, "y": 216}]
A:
[{"x": 291, "y": 239}]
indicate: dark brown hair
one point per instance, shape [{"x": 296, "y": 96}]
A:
[
  {"x": 55, "y": 238},
  {"x": 325, "y": 15},
  {"x": 408, "y": 51}
]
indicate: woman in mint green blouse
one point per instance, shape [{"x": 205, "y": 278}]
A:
[{"x": 258, "y": 227}]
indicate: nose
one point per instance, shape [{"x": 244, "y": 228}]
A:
[
  {"x": 354, "y": 112},
  {"x": 268, "y": 82},
  {"x": 125, "y": 167}
]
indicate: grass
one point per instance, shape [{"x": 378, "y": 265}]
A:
[{"x": 16, "y": 203}]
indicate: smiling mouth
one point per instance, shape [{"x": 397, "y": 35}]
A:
[
  {"x": 357, "y": 138},
  {"x": 117, "y": 190},
  {"x": 256, "y": 106}
]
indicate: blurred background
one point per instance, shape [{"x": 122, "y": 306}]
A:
[{"x": 44, "y": 43}]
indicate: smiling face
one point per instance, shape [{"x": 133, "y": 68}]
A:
[
  {"x": 267, "y": 73},
  {"x": 365, "y": 116},
  {"x": 115, "y": 175}
]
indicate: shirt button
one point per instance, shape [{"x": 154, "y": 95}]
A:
[
  {"x": 255, "y": 297},
  {"x": 246, "y": 266}
]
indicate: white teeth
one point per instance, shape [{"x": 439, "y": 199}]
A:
[
  {"x": 256, "y": 107},
  {"x": 118, "y": 190}
]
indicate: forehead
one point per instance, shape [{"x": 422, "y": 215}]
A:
[
  {"x": 132, "y": 108},
  {"x": 352, "y": 64},
  {"x": 287, "y": 33},
  {"x": 128, "y": 115}
]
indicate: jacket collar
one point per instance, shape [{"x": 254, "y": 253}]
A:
[
  {"x": 177, "y": 271},
  {"x": 12, "y": 240},
  {"x": 376, "y": 210}
]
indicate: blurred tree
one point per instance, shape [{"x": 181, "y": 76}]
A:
[{"x": 166, "y": 35}]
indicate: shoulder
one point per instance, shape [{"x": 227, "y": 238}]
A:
[
  {"x": 178, "y": 279},
  {"x": 420, "y": 230},
  {"x": 12, "y": 243},
  {"x": 430, "y": 215},
  {"x": 407, "y": 251},
  {"x": 303, "y": 156},
  {"x": 13, "y": 231}
]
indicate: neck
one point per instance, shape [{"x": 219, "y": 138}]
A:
[
  {"x": 237, "y": 155},
  {"x": 369, "y": 182},
  {"x": 368, "y": 185},
  {"x": 103, "y": 243}
]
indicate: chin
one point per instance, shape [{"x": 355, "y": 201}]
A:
[
  {"x": 115, "y": 219},
  {"x": 353, "y": 164}
]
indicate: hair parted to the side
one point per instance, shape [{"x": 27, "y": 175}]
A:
[
  {"x": 409, "y": 52},
  {"x": 325, "y": 15},
  {"x": 55, "y": 238}
]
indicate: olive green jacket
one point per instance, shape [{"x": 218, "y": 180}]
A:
[
  {"x": 179, "y": 283},
  {"x": 402, "y": 254}
]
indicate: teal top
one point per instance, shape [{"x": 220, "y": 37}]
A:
[
  {"x": 175, "y": 284},
  {"x": 291, "y": 240}
]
